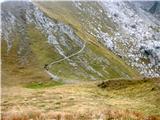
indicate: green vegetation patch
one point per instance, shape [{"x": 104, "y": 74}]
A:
[{"x": 40, "y": 85}]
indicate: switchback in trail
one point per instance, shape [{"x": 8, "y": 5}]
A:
[{"x": 58, "y": 61}]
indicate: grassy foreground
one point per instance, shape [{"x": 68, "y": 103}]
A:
[{"x": 111, "y": 99}]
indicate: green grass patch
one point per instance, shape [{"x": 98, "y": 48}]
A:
[{"x": 41, "y": 85}]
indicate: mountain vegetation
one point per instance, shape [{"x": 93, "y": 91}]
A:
[{"x": 80, "y": 60}]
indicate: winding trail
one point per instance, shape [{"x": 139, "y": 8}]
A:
[{"x": 58, "y": 61}]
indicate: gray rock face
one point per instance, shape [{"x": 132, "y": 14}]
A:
[
  {"x": 152, "y": 7},
  {"x": 130, "y": 25},
  {"x": 151, "y": 50},
  {"x": 137, "y": 27}
]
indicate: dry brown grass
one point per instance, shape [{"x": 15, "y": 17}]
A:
[
  {"x": 18, "y": 113},
  {"x": 123, "y": 99},
  {"x": 30, "y": 113}
]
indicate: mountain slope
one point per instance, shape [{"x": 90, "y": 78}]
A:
[
  {"x": 31, "y": 39},
  {"x": 126, "y": 28},
  {"x": 56, "y": 54}
]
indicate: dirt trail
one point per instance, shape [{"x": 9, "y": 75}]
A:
[{"x": 58, "y": 61}]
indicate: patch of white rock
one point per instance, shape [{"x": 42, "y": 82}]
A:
[
  {"x": 137, "y": 34},
  {"x": 137, "y": 29}
]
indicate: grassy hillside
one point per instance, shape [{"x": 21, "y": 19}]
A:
[
  {"x": 62, "y": 11},
  {"x": 39, "y": 52},
  {"x": 30, "y": 51},
  {"x": 94, "y": 21},
  {"x": 111, "y": 99},
  {"x": 29, "y": 93},
  {"x": 14, "y": 71}
]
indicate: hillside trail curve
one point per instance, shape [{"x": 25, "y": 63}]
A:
[{"x": 54, "y": 77}]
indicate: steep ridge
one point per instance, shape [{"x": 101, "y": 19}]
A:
[
  {"x": 31, "y": 40},
  {"x": 152, "y": 7},
  {"x": 126, "y": 28}
]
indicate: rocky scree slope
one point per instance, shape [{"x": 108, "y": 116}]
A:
[
  {"x": 35, "y": 39},
  {"x": 129, "y": 29}
]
